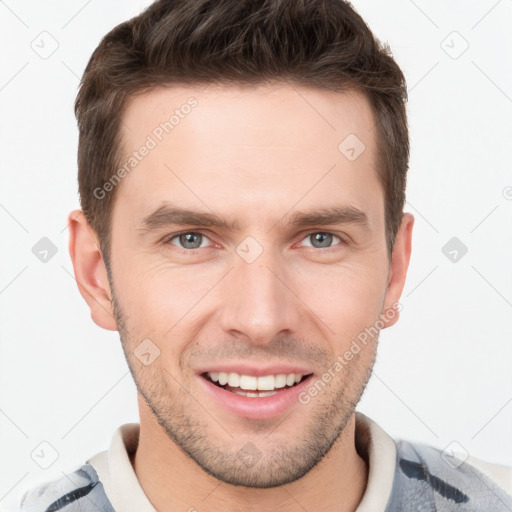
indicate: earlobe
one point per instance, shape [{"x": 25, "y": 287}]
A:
[
  {"x": 90, "y": 271},
  {"x": 398, "y": 270}
]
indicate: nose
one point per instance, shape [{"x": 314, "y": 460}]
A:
[{"x": 259, "y": 300}]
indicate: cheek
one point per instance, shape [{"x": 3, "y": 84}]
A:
[
  {"x": 170, "y": 304},
  {"x": 348, "y": 299},
  {"x": 161, "y": 302}
]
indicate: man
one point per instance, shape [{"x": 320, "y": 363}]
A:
[{"x": 242, "y": 170}]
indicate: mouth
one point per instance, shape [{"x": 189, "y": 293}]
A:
[{"x": 251, "y": 386}]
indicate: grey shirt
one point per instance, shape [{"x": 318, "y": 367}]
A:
[{"x": 403, "y": 476}]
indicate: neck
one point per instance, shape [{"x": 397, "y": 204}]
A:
[{"x": 173, "y": 481}]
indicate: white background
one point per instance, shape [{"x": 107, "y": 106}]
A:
[{"x": 442, "y": 374}]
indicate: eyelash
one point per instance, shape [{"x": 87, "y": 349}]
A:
[{"x": 169, "y": 239}]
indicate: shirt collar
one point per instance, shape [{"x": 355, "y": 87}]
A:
[
  {"x": 380, "y": 454},
  {"x": 124, "y": 491}
]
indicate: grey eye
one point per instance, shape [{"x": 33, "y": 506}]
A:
[
  {"x": 321, "y": 240},
  {"x": 190, "y": 240}
]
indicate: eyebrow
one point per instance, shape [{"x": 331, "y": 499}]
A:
[{"x": 168, "y": 215}]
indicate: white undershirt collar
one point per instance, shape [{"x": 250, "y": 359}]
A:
[{"x": 124, "y": 491}]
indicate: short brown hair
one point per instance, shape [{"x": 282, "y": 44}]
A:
[{"x": 319, "y": 43}]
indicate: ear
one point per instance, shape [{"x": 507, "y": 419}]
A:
[
  {"x": 90, "y": 270},
  {"x": 398, "y": 269}
]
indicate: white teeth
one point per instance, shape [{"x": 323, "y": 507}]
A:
[
  {"x": 252, "y": 383},
  {"x": 248, "y": 382},
  {"x": 267, "y": 393},
  {"x": 234, "y": 380},
  {"x": 266, "y": 382},
  {"x": 259, "y": 394},
  {"x": 280, "y": 381}
]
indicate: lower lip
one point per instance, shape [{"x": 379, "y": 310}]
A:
[{"x": 253, "y": 407}]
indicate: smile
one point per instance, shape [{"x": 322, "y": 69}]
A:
[
  {"x": 254, "y": 397},
  {"x": 251, "y": 386}
]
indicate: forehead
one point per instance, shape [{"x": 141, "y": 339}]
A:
[
  {"x": 259, "y": 149},
  {"x": 249, "y": 114}
]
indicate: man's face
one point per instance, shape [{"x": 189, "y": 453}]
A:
[{"x": 261, "y": 296}]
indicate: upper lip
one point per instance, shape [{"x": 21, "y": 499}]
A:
[{"x": 244, "y": 368}]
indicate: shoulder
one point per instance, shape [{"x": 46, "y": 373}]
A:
[
  {"x": 71, "y": 493},
  {"x": 428, "y": 478},
  {"x": 501, "y": 475}
]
